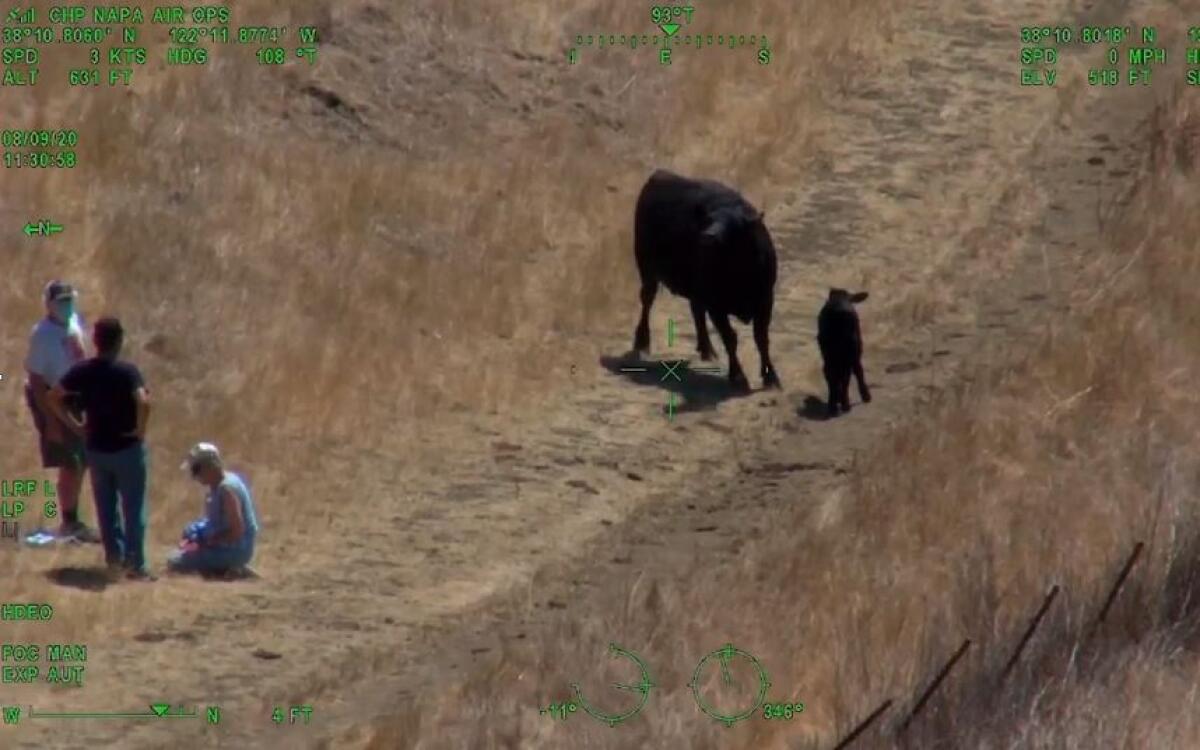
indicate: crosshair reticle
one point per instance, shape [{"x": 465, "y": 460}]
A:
[{"x": 642, "y": 688}]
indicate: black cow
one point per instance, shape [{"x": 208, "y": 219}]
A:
[
  {"x": 840, "y": 339},
  {"x": 706, "y": 243}
]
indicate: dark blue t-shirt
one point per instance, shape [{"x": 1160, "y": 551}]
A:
[{"x": 105, "y": 390}]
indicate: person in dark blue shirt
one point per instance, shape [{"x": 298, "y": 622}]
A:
[{"x": 116, "y": 405}]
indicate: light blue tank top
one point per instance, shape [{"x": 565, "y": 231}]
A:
[{"x": 214, "y": 511}]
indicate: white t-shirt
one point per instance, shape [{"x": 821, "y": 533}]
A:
[{"x": 54, "y": 348}]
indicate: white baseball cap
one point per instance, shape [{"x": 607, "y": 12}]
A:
[
  {"x": 57, "y": 290},
  {"x": 201, "y": 454}
]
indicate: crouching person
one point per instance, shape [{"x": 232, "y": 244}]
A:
[{"x": 222, "y": 541}]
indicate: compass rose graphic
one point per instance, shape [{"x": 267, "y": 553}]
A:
[{"x": 724, "y": 655}]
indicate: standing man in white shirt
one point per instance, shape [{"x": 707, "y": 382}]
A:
[{"x": 55, "y": 344}]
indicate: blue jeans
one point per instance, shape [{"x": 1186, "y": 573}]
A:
[
  {"x": 121, "y": 474},
  {"x": 214, "y": 559}
]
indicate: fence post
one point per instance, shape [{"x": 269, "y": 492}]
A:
[
  {"x": 862, "y": 725},
  {"x": 1112, "y": 595},
  {"x": 934, "y": 685},
  {"x": 1033, "y": 625}
]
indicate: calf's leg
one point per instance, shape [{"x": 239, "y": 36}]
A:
[
  {"x": 831, "y": 383},
  {"x": 844, "y": 387},
  {"x": 861, "y": 377}
]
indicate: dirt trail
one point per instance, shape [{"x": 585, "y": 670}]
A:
[{"x": 946, "y": 175}]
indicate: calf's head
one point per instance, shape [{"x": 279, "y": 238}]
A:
[{"x": 843, "y": 298}]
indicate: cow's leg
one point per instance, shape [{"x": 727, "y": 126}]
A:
[
  {"x": 728, "y": 337},
  {"x": 859, "y": 375},
  {"x": 641, "y": 337},
  {"x": 703, "y": 342},
  {"x": 762, "y": 339}
]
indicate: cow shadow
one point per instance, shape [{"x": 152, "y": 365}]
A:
[{"x": 695, "y": 390}]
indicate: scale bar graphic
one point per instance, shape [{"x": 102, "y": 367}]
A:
[{"x": 157, "y": 711}]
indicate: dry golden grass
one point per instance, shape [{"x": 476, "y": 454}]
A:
[
  {"x": 456, "y": 281},
  {"x": 1045, "y": 472},
  {"x": 510, "y": 246},
  {"x": 287, "y": 288},
  {"x": 462, "y": 273}
]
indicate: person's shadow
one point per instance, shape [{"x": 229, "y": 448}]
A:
[
  {"x": 87, "y": 579},
  {"x": 230, "y": 575},
  {"x": 695, "y": 386}
]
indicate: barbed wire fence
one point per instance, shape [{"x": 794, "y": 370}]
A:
[{"x": 942, "y": 674}]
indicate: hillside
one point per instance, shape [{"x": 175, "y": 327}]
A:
[{"x": 388, "y": 286}]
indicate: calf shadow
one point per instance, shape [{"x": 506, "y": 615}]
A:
[
  {"x": 696, "y": 391},
  {"x": 814, "y": 409},
  {"x": 87, "y": 579},
  {"x": 817, "y": 410}
]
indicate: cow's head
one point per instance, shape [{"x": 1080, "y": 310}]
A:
[
  {"x": 841, "y": 295},
  {"x": 731, "y": 225}
]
